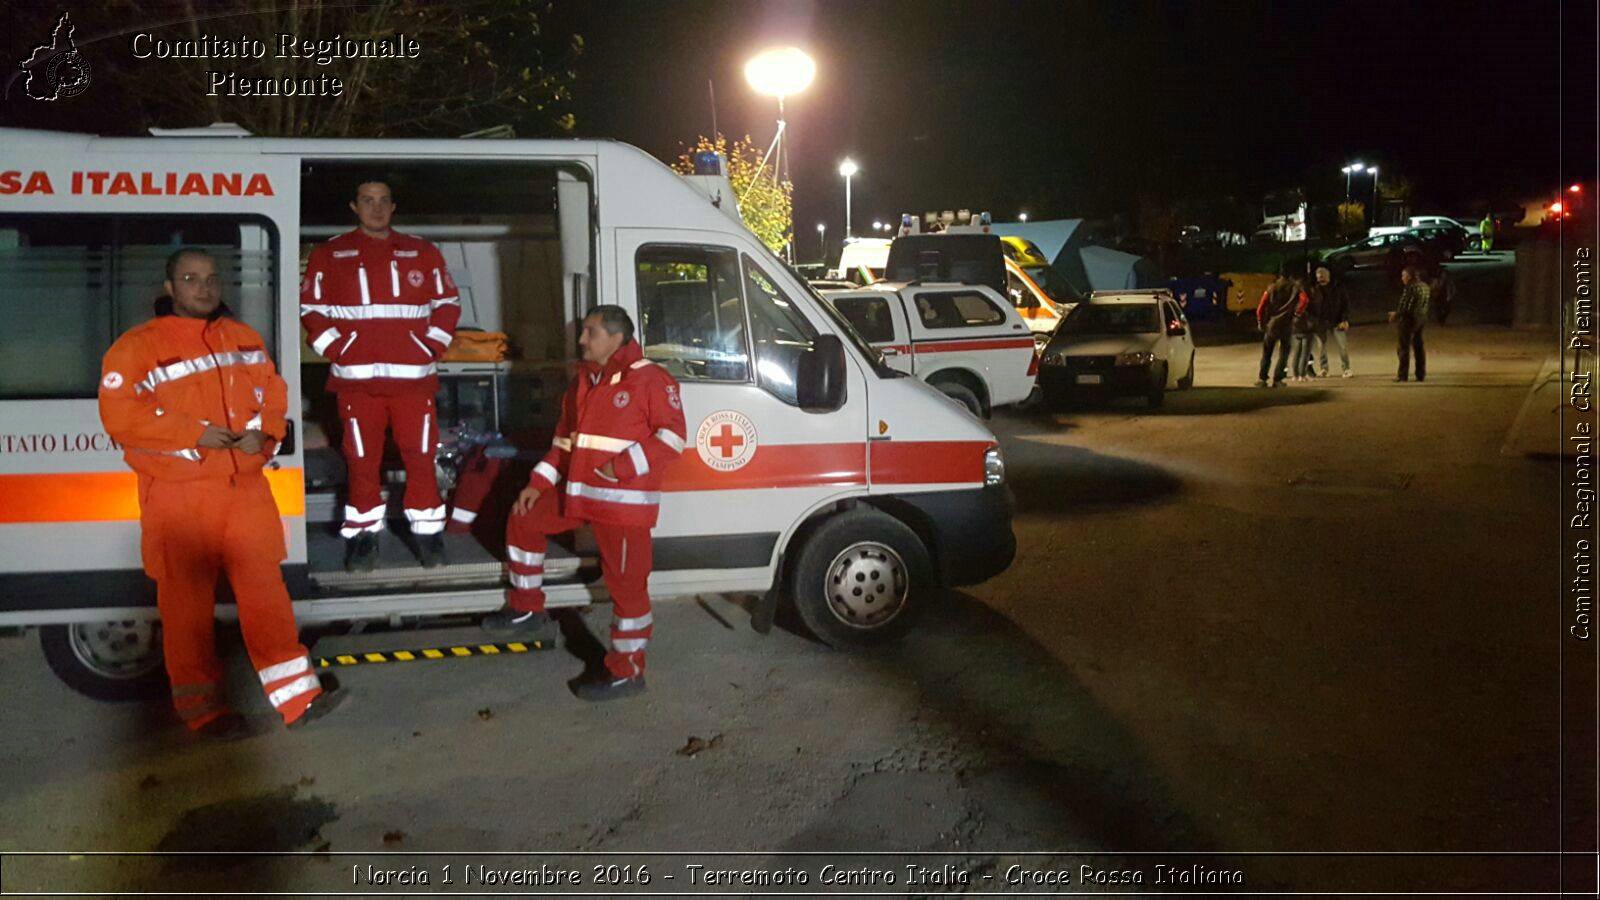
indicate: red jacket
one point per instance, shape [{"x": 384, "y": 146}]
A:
[
  {"x": 629, "y": 414},
  {"x": 162, "y": 382},
  {"x": 382, "y": 311}
]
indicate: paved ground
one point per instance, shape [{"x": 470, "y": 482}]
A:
[{"x": 1309, "y": 618}]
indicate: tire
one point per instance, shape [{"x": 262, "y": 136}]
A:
[
  {"x": 963, "y": 395},
  {"x": 1187, "y": 381},
  {"x": 1158, "y": 392},
  {"x": 885, "y": 559},
  {"x": 116, "y": 662}
]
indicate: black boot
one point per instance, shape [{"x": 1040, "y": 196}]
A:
[
  {"x": 430, "y": 550},
  {"x": 602, "y": 687},
  {"x": 361, "y": 552},
  {"x": 515, "y": 623},
  {"x": 331, "y": 698}
]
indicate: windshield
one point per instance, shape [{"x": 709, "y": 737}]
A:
[
  {"x": 1053, "y": 283},
  {"x": 874, "y": 358},
  {"x": 1113, "y": 318}
]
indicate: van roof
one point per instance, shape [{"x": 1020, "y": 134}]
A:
[{"x": 1131, "y": 295}]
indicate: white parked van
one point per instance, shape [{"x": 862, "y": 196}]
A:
[
  {"x": 965, "y": 340},
  {"x": 809, "y": 460}
]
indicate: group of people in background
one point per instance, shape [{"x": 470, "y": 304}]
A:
[{"x": 1300, "y": 314}]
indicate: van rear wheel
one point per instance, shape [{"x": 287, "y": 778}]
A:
[
  {"x": 114, "y": 661},
  {"x": 861, "y": 578}
]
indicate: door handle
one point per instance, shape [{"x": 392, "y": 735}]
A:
[{"x": 889, "y": 351}]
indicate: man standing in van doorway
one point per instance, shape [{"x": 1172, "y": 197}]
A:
[
  {"x": 199, "y": 409},
  {"x": 381, "y": 306},
  {"x": 621, "y": 424}
]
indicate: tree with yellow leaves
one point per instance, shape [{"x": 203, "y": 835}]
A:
[{"x": 765, "y": 202}]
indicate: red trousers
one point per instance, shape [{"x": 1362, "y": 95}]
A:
[
  {"x": 367, "y": 419},
  {"x": 478, "y": 474},
  {"x": 624, "y": 563},
  {"x": 190, "y": 532}
]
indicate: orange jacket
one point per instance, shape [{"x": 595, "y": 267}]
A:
[{"x": 162, "y": 382}]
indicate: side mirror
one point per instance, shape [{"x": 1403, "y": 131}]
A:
[
  {"x": 1175, "y": 328},
  {"x": 821, "y": 383}
]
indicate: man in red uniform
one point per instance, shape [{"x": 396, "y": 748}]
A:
[
  {"x": 198, "y": 408},
  {"x": 621, "y": 424},
  {"x": 381, "y": 306}
]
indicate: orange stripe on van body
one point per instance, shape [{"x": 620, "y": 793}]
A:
[{"x": 110, "y": 496}]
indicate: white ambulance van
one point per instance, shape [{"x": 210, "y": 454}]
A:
[{"x": 814, "y": 473}]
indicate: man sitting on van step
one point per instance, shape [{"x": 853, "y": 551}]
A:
[
  {"x": 198, "y": 408},
  {"x": 621, "y": 425},
  {"x": 381, "y": 306}
]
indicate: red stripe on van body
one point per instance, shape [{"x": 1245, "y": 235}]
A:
[
  {"x": 772, "y": 466},
  {"x": 928, "y": 462},
  {"x": 994, "y": 344}
]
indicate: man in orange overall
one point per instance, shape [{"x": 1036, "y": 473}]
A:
[
  {"x": 621, "y": 424},
  {"x": 198, "y": 408}
]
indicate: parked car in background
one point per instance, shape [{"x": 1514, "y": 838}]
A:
[
  {"x": 1388, "y": 251},
  {"x": 1120, "y": 343},
  {"x": 1421, "y": 222},
  {"x": 1443, "y": 241},
  {"x": 963, "y": 339}
]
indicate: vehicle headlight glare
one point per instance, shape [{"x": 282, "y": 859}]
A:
[
  {"x": 994, "y": 467},
  {"x": 1135, "y": 359}
]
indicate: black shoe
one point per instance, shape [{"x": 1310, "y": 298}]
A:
[
  {"x": 361, "y": 553},
  {"x": 1400, "y": 379},
  {"x": 230, "y": 726},
  {"x": 517, "y": 623},
  {"x": 331, "y": 698},
  {"x": 430, "y": 550},
  {"x": 602, "y": 687}
]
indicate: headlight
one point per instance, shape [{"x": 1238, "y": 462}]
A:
[
  {"x": 994, "y": 467},
  {"x": 1053, "y": 358},
  {"x": 1135, "y": 359}
]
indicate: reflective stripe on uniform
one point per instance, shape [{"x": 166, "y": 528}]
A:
[
  {"x": 435, "y": 333},
  {"x": 563, "y": 444},
  {"x": 184, "y": 368},
  {"x": 366, "y": 298},
  {"x": 254, "y": 424},
  {"x": 628, "y": 645},
  {"x": 374, "y": 311},
  {"x": 670, "y": 438},
  {"x": 601, "y": 442},
  {"x": 438, "y": 281},
  {"x": 613, "y": 495},
  {"x": 394, "y": 277},
  {"x": 296, "y": 666},
  {"x": 464, "y": 516},
  {"x": 375, "y": 514},
  {"x": 524, "y": 557},
  {"x": 323, "y": 339},
  {"x": 355, "y": 433},
  {"x": 641, "y": 465},
  {"x": 383, "y": 370},
  {"x": 526, "y": 582},
  {"x": 446, "y": 301},
  {"x": 316, "y": 287},
  {"x": 426, "y": 419},
  {"x": 426, "y": 521},
  {"x": 643, "y": 621},
  {"x": 547, "y": 472},
  {"x": 302, "y": 685}
]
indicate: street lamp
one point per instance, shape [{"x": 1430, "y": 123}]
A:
[
  {"x": 1374, "y": 171},
  {"x": 1353, "y": 167},
  {"x": 1022, "y": 217},
  {"x": 822, "y": 241},
  {"x": 778, "y": 72},
  {"x": 847, "y": 170}
]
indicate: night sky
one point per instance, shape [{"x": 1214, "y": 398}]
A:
[{"x": 1076, "y": 108}]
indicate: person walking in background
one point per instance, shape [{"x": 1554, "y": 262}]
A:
[
  {"x": 1333, "y": 319},
  {"x": 1275, "y": 315},
  {"x": 1441, "y": 293},
  {"x": 1486, "y": 232},
  {"x": 1409, "y": 316}
]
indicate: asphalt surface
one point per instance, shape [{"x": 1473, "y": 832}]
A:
[{"x": 1314, "y": 618}]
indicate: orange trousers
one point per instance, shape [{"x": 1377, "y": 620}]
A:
[{"x": 191, "y": 532}]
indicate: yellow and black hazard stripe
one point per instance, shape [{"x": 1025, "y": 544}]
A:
[{"x": 428, "y": 653}]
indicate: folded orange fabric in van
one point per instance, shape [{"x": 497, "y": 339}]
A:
[{"x": 477, "y": 346}]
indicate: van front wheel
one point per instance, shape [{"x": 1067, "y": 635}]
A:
[
  {"x": 861, "y": 578},
  {"x": 114, "y": 661}
]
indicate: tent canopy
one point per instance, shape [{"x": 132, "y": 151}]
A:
[{"x": 1086, "y": 267}]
